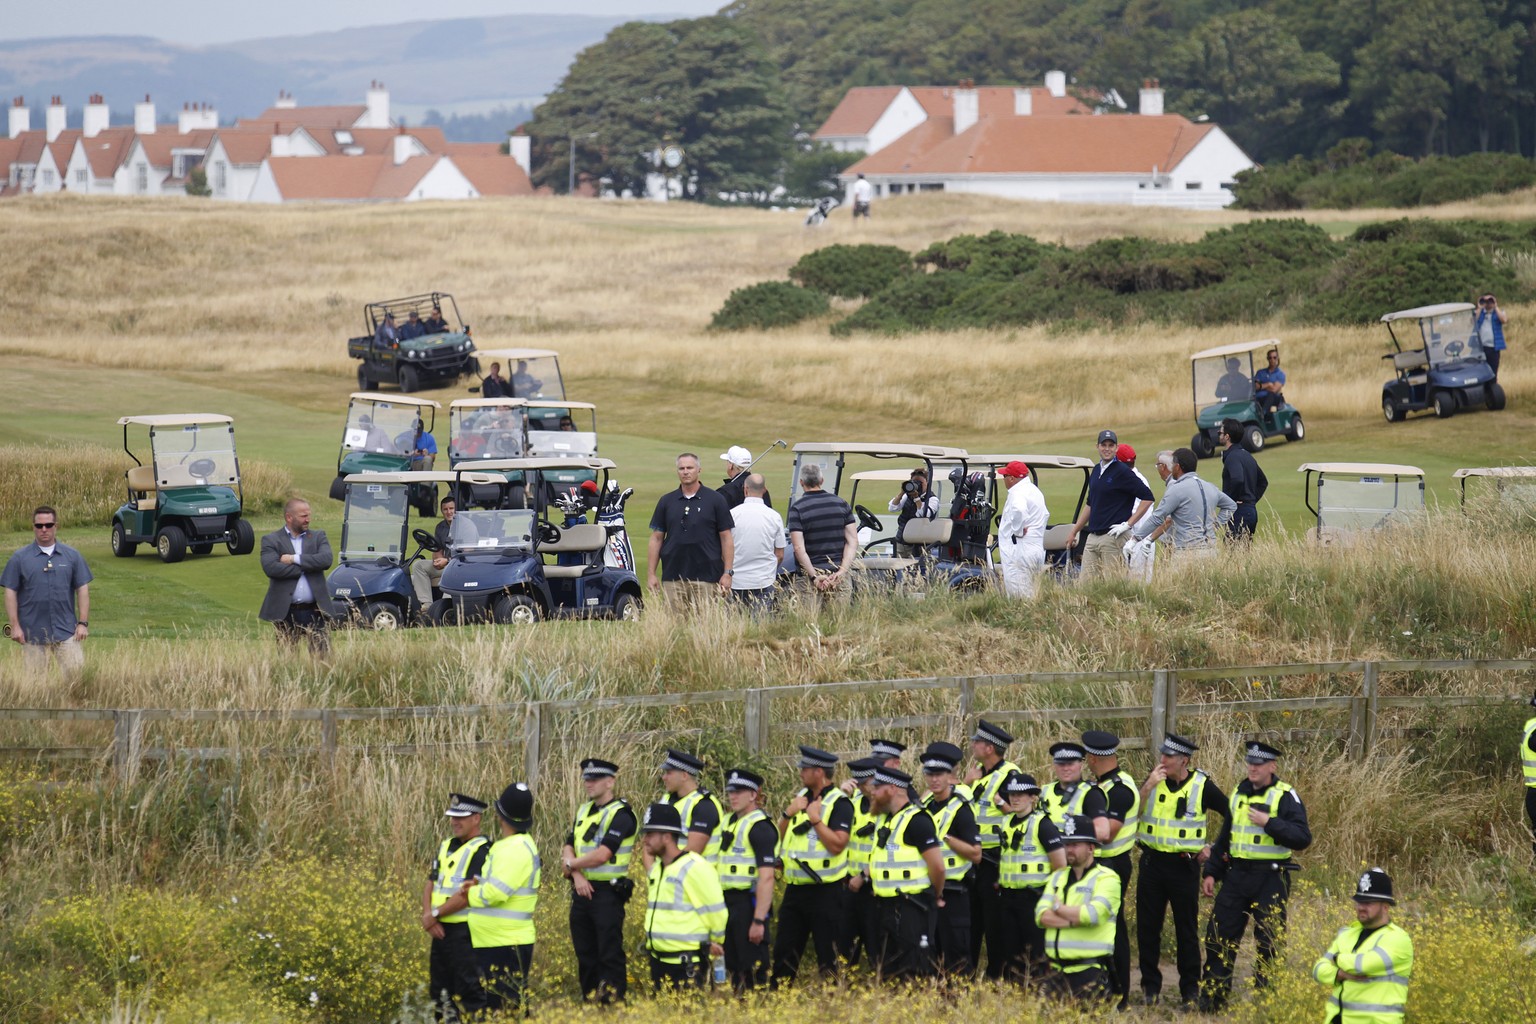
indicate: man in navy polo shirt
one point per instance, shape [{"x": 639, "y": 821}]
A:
[
  {"x": 1117, "y": 499},
  {"x": 691, "y": 539}
]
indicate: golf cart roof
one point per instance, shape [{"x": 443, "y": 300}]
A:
[
  {"x": 1237, "y": 348},
  {"x": 1361, "y": 468},
  {"x": 883, "y": 474},
  {"x": 516, "y": 353},
  {"x": 378, "y": 398},
  {"x": 880, "y": 451},
  {"x": 182, "y": 419},
  {"x": 1506, "y": 472},
  {"x": 539, "y": 403},
  {"x": 1034, "y": 461},
  {"x": 1439, "y": 309},
  {"x": 420, "y": 477},
  {"x": 580, "y": 462},
  {"x": 486, "y": 403}
]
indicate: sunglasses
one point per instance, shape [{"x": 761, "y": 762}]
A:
[{"x": 44, "y": 526}]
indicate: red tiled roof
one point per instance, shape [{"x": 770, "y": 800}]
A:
[
  {"x": 458, "y": 149},
  {"x": 10, "y": 149},
  {"x": 106, "y": 151},
  {"x": 247, "y": 146},
  {"x": 326, "y": 177},
  {"x": 395, "y": 181},
  {"x": 1108, "y": 144},
  {"x": 860, "y": 108},
  {"x": 30, "y": 145},
  {"x": 494, "y": 173},
  {"x": 157, "y": 147},
  {"x": 997, "y": 101},
  {"x": 63, "y": 147},
  {"x": 343, "y": 116}
]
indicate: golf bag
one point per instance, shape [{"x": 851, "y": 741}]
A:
[
  {"x": 972, "y": 513},
  {"x": 821, "y": 211},
  {"x": 610, "y": 513}
]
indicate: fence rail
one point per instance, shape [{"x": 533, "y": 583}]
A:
[{"x": 126, "y": 750}]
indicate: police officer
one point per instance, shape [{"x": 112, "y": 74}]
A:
[
  {"x": 814, "y": 832},
  {"x": 747, "y": 865},
  {"x": 1114, "y": 804},
  {"x": 906, "y": 872},
  {"x": 1065, "y": 796},
  {"x": 596, "y": 859},
  {"x": 989, "y": 743},
  {"x": 1032, "y": 849},
  {"x": 863, "y": 925},
  {"x": 698, "y": 807},
  {"x": 1252, "y": 860},
  {"x": 502, "y": 901},
  {"x": 954, "y": 818},
  {"x": 454, "y": 981},
  {"x": 1369, "y": 964},
  {"x": 685, "y": 914},
  {"x": 1176, "y": 801},
  {"x": 1077, "y": 912},
  {"x": 1528, "y": 768}
]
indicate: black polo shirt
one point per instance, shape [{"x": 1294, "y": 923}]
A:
[{"x": 691, "y": 528}]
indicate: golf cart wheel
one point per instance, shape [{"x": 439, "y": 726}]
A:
[
  {"x": 515, "y": 609},
  {"x": 171, "y": 544},
  {"x": 1445, "y": 404},
  {"x": 365, "y": 382},
  {"x": 1390, "y": 410},
  {"x": 626, "y": 608},
  {"x": 242, "y": 539},
  {"x": 1495, "y": 396},
  {"x": 1297, "y": 430},
  {"x": 1253, "y": 438},
  {"x": 201, "y": 548},
  {"x": 1202, "y": 446},
  {"x": 441, "y": 613},
  {"x": 122, "y": 547},
  {"x": 410, "y": 380},
  {"x": 382, "y": 616}
]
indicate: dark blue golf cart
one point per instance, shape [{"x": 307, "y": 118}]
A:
[{"x": 1439, "y": 363}]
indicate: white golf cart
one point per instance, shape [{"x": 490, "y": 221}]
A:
[
  {"x": 1510, "y": 483},
  {"x": 1350, "y": 498},
  {"x": 531, "y": 372}
]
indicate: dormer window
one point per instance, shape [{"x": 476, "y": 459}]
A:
[{"x": 343, "y": 137}]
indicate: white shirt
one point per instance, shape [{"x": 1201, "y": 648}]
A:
[
  {"x": 301, "y": 592},
  {"x": 758, "y": 531},
  {"x": 863, "y": 191},
  {"x": 1024, "y": 516}
]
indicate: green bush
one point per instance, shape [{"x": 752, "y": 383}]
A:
[
  {"x": 1375, "y": 279},
  {"x": 768, "y": 304},
  {"x": 996, "y": 254},
  {"x": 851, "y": 271},
  {"x": 911, "y": 303},
  {"x": 1349, "y": 179}
]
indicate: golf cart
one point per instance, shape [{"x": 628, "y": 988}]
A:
[
  {"x": 1356, "y": 497},
  {"x": 1058, "y": 557},
  {"x": 1222, "y": 379},
  {"x": 1511, "y": 483},
  {"x": 372, "y": 578},
  {"x": 435, "y": 358},
  {"x": 532, "y": 372},
  {"x": 498, "y": 572},
  {"x": 1439, "y": 363},
  {"x": 377, "y": 438},
  {"x": 188, "y": 498}
]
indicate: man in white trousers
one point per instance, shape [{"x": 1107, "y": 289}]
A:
[{"x": 1021, "y": 531}]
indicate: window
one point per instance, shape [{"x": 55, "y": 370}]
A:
[
  {"x": 343, "y": 137},
  {"x": 82, "y": 177},
  {"x": 1193, "y": 186},
  {"x": 219, "y": 182},
  {"x": 48, "y": 179},
  {"x": 142, "y": 178},
  {"x": 1229, "y": 185},
  {"x": 931, "y": 187}
]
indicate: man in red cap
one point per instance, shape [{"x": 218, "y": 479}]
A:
[{"x": 1021, "y": 531}]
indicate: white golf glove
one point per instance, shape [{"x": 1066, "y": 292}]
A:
[
  {"x": 1130, "y": 549},
  {"x": 1119, "y": 529},
  {"x": 1148, "y": 545}
]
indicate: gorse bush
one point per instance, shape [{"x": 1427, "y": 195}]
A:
[
  {"x": 1344, "y": 180},
  {"x": 766, "y": 305},
  {"x": 851, "y": 271}
]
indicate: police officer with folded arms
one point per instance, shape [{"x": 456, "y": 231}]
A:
[
  {"x": 1032, "y": 849},
  {"x": 955, "y": 821},
  {"x": 1252, "y": 861},
  {"x": 906, "y": 873},
  {"x": 813, "y": 846},
  {"x": 1369, "y": 963},
  {"x": 1176, "y": 801},
  {"x": 596, "y": 859},
  {"x": 685, "y": 914},
  {"x": 747, "y": 865},
  {"x": 1114, "y": 804},
  {"x": 989, "y": 745},
  {"x": 1077, "y": 912},
  {"x": 453, "y": 978}
]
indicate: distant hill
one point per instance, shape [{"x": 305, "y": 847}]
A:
[{"x": 464, "y": 65}]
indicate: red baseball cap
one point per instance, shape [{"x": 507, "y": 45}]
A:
[
  {"x": 1125, "y": 453},
  {"x": 1014, "y": 469}
]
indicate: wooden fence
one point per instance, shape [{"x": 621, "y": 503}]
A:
[{"x": 126, "y": 750}]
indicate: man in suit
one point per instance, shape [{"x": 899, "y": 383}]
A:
[{"x": 295, "y": 559}]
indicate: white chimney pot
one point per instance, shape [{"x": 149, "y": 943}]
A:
[
  {"x": 1150, "y": 102},
  {"x": 20, "y": 120},
  {"x": 405, "y": 148},
  {"x": 1056, "y": 83},
  {"x": 377, "y": 115},
  {"x": 1023, "y": 102},
  {"x": 96, "y": 118},
  {"x": 55, "y": 118},
  {"x": 967, "y": 109},
  {"x": 520, "y": 148},
  {"x": 144, "y": 117}
]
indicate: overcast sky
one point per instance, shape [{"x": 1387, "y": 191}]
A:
[{"x": 212, "y": 21}]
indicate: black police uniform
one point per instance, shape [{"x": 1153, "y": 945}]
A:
[
  {"x": 813, "y": 912},
  {"x": 597, "y": 924},
  {"x": 1116, "y": 802},
  {"x": 451, "y": 959},
  {"x": 953, "y": 941}
]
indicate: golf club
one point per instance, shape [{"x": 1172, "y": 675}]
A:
[{"x": 777, "y": 444}]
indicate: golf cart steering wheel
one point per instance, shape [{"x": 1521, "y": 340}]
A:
[
  {"x": 503, "y": 444},
  {"x": 427, "y": 541},
  {"x": 548, "y": 532},
  {"x": 868, "y": 519},
  {"x": 202, "y": 468},
  {"x": 1454, "y": 349}
]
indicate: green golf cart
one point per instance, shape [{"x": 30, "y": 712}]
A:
[{"x": 379, "y": 437}]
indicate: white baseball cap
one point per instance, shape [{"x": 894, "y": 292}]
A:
[{"x": 737, "y": 456}]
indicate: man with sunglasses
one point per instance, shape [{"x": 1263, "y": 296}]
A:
[{"x": 48, "y": 597}]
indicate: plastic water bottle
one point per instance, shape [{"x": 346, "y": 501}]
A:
[
  {"x": 922, "y": 943},
  {"x": 720, "y": 970}
]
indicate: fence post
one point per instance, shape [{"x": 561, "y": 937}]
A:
[
  {"x": 328, "y": 737},
  {"x": 967, "y": 700},
  {"x": 1158, "y": 724},
  {"x": 1369, "y": 682},
  {"x": 755, "y": 719},
  {"x": 533, "y": 740},
  {"x": 127, "y": 736}
]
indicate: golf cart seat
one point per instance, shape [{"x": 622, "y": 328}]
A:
[
  {"x": 583, "y": 538},
  {"x": 921, "y": 533},
  {"x": 1413, "y": 363},
  {"x": 141, "y": 485},
  {"x": 884, "y": 563},
  {"x": 1056, "y": 536}
]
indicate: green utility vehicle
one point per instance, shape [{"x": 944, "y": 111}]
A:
[{"x": 431, "y": 349}]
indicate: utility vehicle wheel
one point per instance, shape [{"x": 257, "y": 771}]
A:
[
  {"x": 1495, "y": 396},
  {"x": 1445, "y": 404},
  {"x": 171, "y": 543},
  {"x": 1390, "y": 410},
  {"x": 442, "y": 613},
  {"x": 382, "y": 616},
  {"x": 410, "y": 380},
  {"x": 365, "y": 382},
  {"x": 242, "y": 540},
  {"x": 1253, "y": 438},
  {"x": 201, "y": 548},
  {"x": 1297, "y": 430},
  {"x": 1202, "y": 446},
  {"x": 122, "y": 547},
  {"x": 516, "y": 609},
  {"x": 626, "y": 608}
]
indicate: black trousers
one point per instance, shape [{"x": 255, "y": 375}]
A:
[
  {"x": 1169, "y": 880},
  {"x": 1089, "y": 985},
  {"x": 452, "y": 975},
  {"x": 746, "y": 962},
  {"x": 863, "y": 923},
  {"x": 1259, "y": 893},
  {"x": 1023, "y": 940},
  {"x": 597, "y": 935},
  {"x": 304, "y": 622},
  {"x": 905, "y": 946},
  {"x": 952, "y": 944},
  {"x": 987, "y": 925},
  {"x": 504, "y": 974},
  {"x": 692, "y": 972},
  {"x": 1530, "y": 812},
  {"x": 810, "y": 912},
  {"x": 1120, "y": 966}
]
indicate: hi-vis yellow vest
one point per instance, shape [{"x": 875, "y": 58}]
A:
[
  {"x": 1385, "y": 959},
  {"x": 736, "y": 865},
  {"x": 1167, "y": 829},
  {"x": 685, "y": 811},
  {"x": 989, "y": 816},
  {"x": 1527, "y": 759},
  {"x": 861, "y": 841},
  {"x": 1057, "y": 807},
  {"x": 956, "y": 867},
  {"x": 1026, "y": 864},
  {"x": 592, "y": 824},
  {"x": 1249, "y": 841},
  {"x": 802, "y": 849},
  {"x": 501, "y": 906},
  {"x": 451, "y": 868},
  {"x": 898, "y": 867},
  {"x": 1126, "y": 837},
  {"x": 1092, "y": 942}
]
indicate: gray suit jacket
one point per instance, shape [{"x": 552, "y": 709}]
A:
[{"x": 284, "y": 576}]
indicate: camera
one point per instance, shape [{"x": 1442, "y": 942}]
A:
[{"x": 909, "y": 487}]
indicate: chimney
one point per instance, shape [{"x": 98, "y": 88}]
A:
[
  {"x": 1023, "y": 103},
  {"x": 21, "y": 118},
  {"x": 196, "y": 115},
  {"x": 285, "y": 101},
  {"x": 96, "y": 118},
  {"x": 1151, "y": 101},
  {"x": 55, "y": 118},
  {"x": 378, "y": 106},
  {"x": 1056, "y": 83},
  {"x": 282, "y": 145},
  {"x": 967, "y": 105},
  {"x": 405, "y": 147},
  {"x": 520, "y": 148},
  {"x": 144, "y": 117}
]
